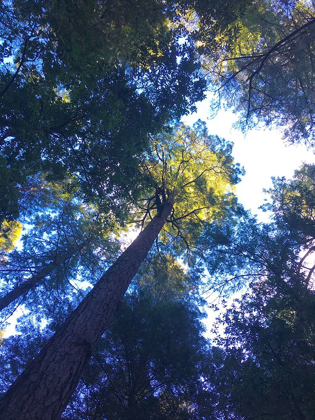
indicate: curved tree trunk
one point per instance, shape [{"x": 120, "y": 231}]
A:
[
  {"x": 35, "y": 280},
  {"x": 42, "y": 391}
]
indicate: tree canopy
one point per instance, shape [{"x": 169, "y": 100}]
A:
[
  {"x": 131, "y": 377},
  {"x": 193, "y": 180},
  {"x": 78, "y": 98},
  {"x": 263, "y": 64},
  {"x": 91, "y": 144}
]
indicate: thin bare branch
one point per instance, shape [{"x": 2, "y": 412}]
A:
[
  {"x": 187, "y": 214},
  {"x": 199, "y": 176}
]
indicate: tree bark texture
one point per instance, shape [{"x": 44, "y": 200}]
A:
[
  {"x": 35, "y": 280},
  {"x": 42, "y": 391}
]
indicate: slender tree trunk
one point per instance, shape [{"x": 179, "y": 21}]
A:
[
  {"x": 35, "y": 280},
  {"x": 42, "y": 391}
]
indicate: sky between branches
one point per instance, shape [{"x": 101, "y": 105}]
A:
[{"x": 261, "y": 152}]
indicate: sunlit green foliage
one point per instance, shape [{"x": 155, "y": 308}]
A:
[
  {"x": 10, "y": 233},
  {"x": 195, "y": 172},
  {"x": 91, "y": 95},
  {"x": 82, "y": 85}
]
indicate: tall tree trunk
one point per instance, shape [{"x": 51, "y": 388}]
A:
[
  {"x": 42, "y": 391},
  {"x": 35, "y": 280}
]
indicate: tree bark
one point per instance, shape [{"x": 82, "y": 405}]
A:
[
  {"x": 42, "y": 391},
  {"x": 31, "y": 283}
]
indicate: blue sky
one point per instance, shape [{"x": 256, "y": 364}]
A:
[{"x": 262, "y": 153}]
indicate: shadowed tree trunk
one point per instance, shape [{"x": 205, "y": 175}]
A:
[
  {"x": 35, "y": 280},
  {"x": 42, "y": 391}
]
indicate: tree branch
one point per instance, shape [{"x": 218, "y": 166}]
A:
[
  {"x": 18, "y": 67},
  {"x": 175, "y": 219}
]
